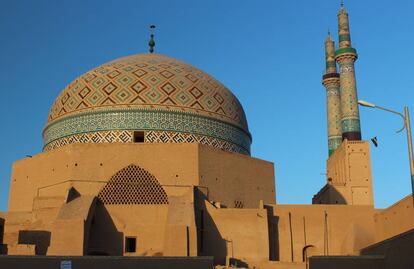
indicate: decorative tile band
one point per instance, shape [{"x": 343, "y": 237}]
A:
[
  {"x": 351, "y": 125},
  {"x": 333, "y": 143},
  {"x": 123, "y": 136},
  {"x": 126, "y": 136},
  {"x": 145, "y": 120},
  {"x": 340, "y": 51},
  {"x": 333, "y": 104},
  {"x": 349, "y": 99},
  {"x": 344, "y": 37},
  {"x": 173, "y": 137}
]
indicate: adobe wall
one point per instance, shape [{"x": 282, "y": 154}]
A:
[
  {"x": 41, "y": 185},
  {"x": 159, "y": 229},
  {"x": 87, "y": 164},
  {"x": 177, "y": 167},
  {"x": 236, "y": 180},
  {"x": 87, "y": 262},
  {"x": 395, "y": 219},
  {"x": 349, "y": 177},
  {"x": 14, "y": 221},
  {"x": 237, "y": 234},
  {"x": 300, "y": 231},
  {"x": 113, "y": 223}
]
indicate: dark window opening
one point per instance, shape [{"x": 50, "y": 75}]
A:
[
  {"x": 139, "y": 137},
  {"x": 1, "y": 233},
  {"x": 130, "y": 244}
]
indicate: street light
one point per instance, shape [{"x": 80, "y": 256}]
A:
[{"x": 407, "y": 127}]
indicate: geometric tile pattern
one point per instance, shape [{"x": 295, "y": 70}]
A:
[
  {"x": 173, "y": 137},
  {"x": 144, "y": 120},
  {"x": 147, "y": 92},
  {"x": 116, "y": 136},
  {"x": 126, "y": 136},
  {"x": 333, "y": 104},
  {"x": 133, "y": 185},
  {"x": 348, "y": 91},
  {"x": 149, "y": 80}
]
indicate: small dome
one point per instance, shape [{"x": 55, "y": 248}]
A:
[{"x": 147, "y": 98}]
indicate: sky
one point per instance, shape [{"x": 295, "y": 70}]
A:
[{"x": 269, "y": 53}]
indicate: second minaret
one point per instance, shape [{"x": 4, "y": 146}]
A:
[{"x": 333, "y": 101}]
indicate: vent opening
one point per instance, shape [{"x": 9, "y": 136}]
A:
[
  {"x": 238, "y": 204},
  {"x": 139, "y": 137},
  {"x": 130, "y": 244}
]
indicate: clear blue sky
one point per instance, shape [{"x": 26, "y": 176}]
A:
[{"x": 270, "y": 53}]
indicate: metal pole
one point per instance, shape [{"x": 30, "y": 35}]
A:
[
  {"x": 407, "y": 127},
  {"x": 410, "y": 148}
]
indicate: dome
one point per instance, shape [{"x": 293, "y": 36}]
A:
[{"x": 148, "y": 98}]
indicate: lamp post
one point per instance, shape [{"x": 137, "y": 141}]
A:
[{"x": 407, "y": 127}]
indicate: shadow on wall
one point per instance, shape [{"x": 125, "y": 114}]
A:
[
  {"x": 3, "y": 248},
  {"x": 238, "y": 263},
  {"x": 211, "y": 243},
  {"x": 104, "y": 238},
  {"x": 329, "y": 195},
  {"x": 39, "y": 238},
  {"x": 72, "y": 195},
  {"x": 273, "y": 222},
  {"x": 1, "y": 230},
  {"x": 398, "y": 250},
  {"x": 336, "y": 197}
]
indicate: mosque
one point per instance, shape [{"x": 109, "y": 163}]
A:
[{"x": 149, "y": 156}]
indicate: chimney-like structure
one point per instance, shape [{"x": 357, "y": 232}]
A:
[
  {"x": 345, "y": 55},
  {"x": 330, "y": 81}
]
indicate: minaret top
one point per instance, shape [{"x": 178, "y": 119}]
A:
[
  {"x": 343, "y": 28},
  {"x": 330, "y": 55},
  {"x": 342, "y": 9},
  {"x": 329, "y": 38},
  {"x": 151, "y": 43}
]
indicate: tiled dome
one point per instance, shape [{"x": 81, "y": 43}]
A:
[{"x": 165, "y": 99}]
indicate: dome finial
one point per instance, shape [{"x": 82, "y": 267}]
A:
[{"x": 151, "y": 43}]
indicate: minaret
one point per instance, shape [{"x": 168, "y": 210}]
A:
[
  {"x": 345, "y": 55},
  {"x": 333, "y": 101}
]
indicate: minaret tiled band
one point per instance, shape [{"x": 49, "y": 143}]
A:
[
  {"x": 345, "y": 57},
  {"x": 333, "y": 103}
]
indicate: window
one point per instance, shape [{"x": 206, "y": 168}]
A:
[
  {"x": 139, "y": 137},
  {"x": 1, "y": 234},
  {"x": 130, "y": 244}
]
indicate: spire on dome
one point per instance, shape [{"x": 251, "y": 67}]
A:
[{"x": 151, "y": 43}]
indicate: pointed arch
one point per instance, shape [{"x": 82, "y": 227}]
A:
[{"x": 133, "y": 185}]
